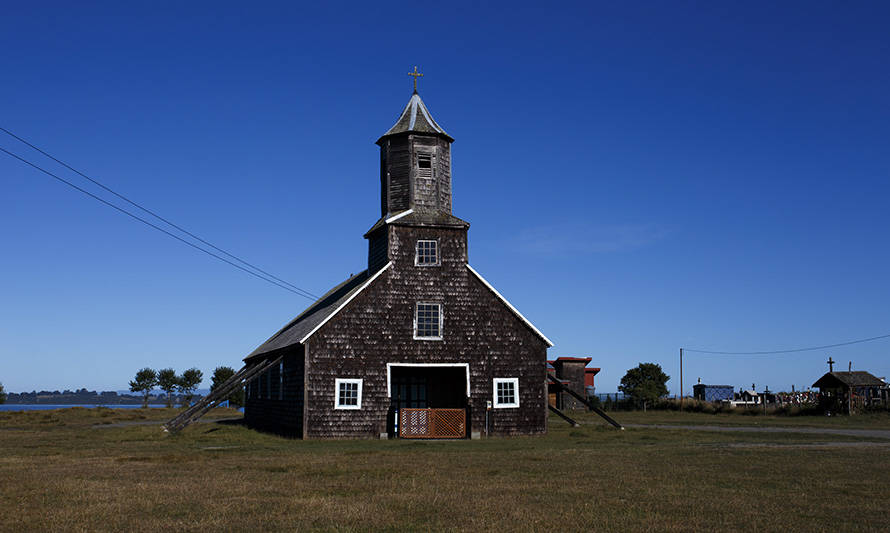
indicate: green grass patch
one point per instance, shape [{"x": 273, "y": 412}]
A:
[{"x": 64, "y": 470}]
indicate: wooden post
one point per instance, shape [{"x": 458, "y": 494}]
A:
[{"x": 681, "y": 379}]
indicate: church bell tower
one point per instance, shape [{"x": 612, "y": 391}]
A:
[
  {"x": 415, "y": 186},
  {"x": 415, "y": 163}
]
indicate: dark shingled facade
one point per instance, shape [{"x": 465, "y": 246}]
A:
[{"x": 353, "y": 359}]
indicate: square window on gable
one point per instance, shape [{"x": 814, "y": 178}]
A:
[
  {"x": 427, "y": 253},
  {"x": 428, "y": 321}
]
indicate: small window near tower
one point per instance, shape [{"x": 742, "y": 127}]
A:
[
  {"x": 281, "y": 380},
  {"x": 427, "y": 253},
  {"x": 348, "y": 393},
  {"x": 506, "y": 392},
  {"x": 428, "y": 321},
  {"x": 424, "y": 166}
]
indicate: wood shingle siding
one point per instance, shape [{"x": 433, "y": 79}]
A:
[
  {"x": 397, "y": 164},
  {"x": 377, "y": 328}
]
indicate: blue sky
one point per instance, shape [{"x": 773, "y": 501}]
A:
[{"x": 638, "y": 177}]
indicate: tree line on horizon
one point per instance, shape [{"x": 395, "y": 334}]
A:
[{"x": 168, "y": 381}]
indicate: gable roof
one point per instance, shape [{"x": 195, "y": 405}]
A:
[
  {"x": 857, "y": 378},
  {"x": 298, "y": 330},
  {"x": 416, "y": 118},
  {"x": 510, "y": 306}
]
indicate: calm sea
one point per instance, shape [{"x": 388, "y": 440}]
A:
[{"x": 45, "y": 406}]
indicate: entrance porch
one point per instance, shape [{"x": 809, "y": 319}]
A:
[{"x": 427, "y": 400}]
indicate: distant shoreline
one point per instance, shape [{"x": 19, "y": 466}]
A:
[{"x": 12, "y": 407}]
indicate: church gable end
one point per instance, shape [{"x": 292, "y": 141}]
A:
[{"x": 419, "y": 335}]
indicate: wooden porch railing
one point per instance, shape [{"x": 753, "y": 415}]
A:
[{"x": 432, "y": 423}]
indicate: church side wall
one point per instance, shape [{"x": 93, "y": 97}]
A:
[
  {"x": 377, "y": 328},
  {"x": 271, "y": 407}
]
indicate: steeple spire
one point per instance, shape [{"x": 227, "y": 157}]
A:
[{"x": 416, "y": 118}]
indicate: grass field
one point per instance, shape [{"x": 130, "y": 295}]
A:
[{"x": 78, "y": 469}]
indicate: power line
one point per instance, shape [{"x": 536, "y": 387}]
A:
[
  {"x": 159, "y": 217},
  {"x": 146, "y": 222},
  {"x": 771, "y": 352}
]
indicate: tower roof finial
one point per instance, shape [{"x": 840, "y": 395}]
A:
[{"x": 416, "y": 75}]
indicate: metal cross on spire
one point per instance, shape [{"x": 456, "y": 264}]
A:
[
  {"x": 416, "y": 75},
  {"x": 830, "y": 364}
]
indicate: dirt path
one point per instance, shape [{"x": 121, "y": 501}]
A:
[{"x": 869, "y": 433}]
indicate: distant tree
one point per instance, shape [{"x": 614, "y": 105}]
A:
[
  {"x": 2, "y": 394},
  {"x": 168, "y": 381},
  {"x": 645, "y": 383},
  {"x": 220, "y": 375},
  {"x": 187, "y": 383},
  {"x": 146, "y": 380}
]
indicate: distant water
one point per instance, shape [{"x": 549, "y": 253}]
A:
[{"x": 46, "y": 406}]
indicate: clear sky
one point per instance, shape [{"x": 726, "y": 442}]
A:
[{"x": 639, "y": 176}]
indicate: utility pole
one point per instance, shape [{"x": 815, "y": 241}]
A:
[{"x": 681, "y": 379}]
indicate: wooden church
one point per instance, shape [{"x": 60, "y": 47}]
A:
[{"x": 419, "y": 345}]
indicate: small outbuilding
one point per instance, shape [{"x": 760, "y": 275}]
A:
[
  {"x": 712, "y": 393},
  {"x": 848, "y": 392},
  {"x": 745, "y": 398},
  {"x": 572, "y": 372}
]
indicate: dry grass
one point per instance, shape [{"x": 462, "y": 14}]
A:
[{"x": 59, "y": 473}]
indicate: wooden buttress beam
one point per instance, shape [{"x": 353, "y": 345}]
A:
[
  {"x": 589, "y": 405},
  {"x": 246, "y": 374},
  {"x": 563, "y": 416}
]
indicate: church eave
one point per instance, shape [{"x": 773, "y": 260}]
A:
[
  {"x": 443, "y": 135},
  {"x": 418, "y": 219}
]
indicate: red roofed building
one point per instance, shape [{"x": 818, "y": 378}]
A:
[{"x": 574, "y": 373}]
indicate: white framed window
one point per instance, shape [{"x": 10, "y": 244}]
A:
[
  {"x": 427, "y": 253},
  {"x": 347, "y": 393},
  {"x": 428, "y": 321},
  {"x": 506, "y": 392},
  {"x": 281, "y": 380}
]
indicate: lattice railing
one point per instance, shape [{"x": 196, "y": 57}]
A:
[{"x": 432, "y": 423}]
